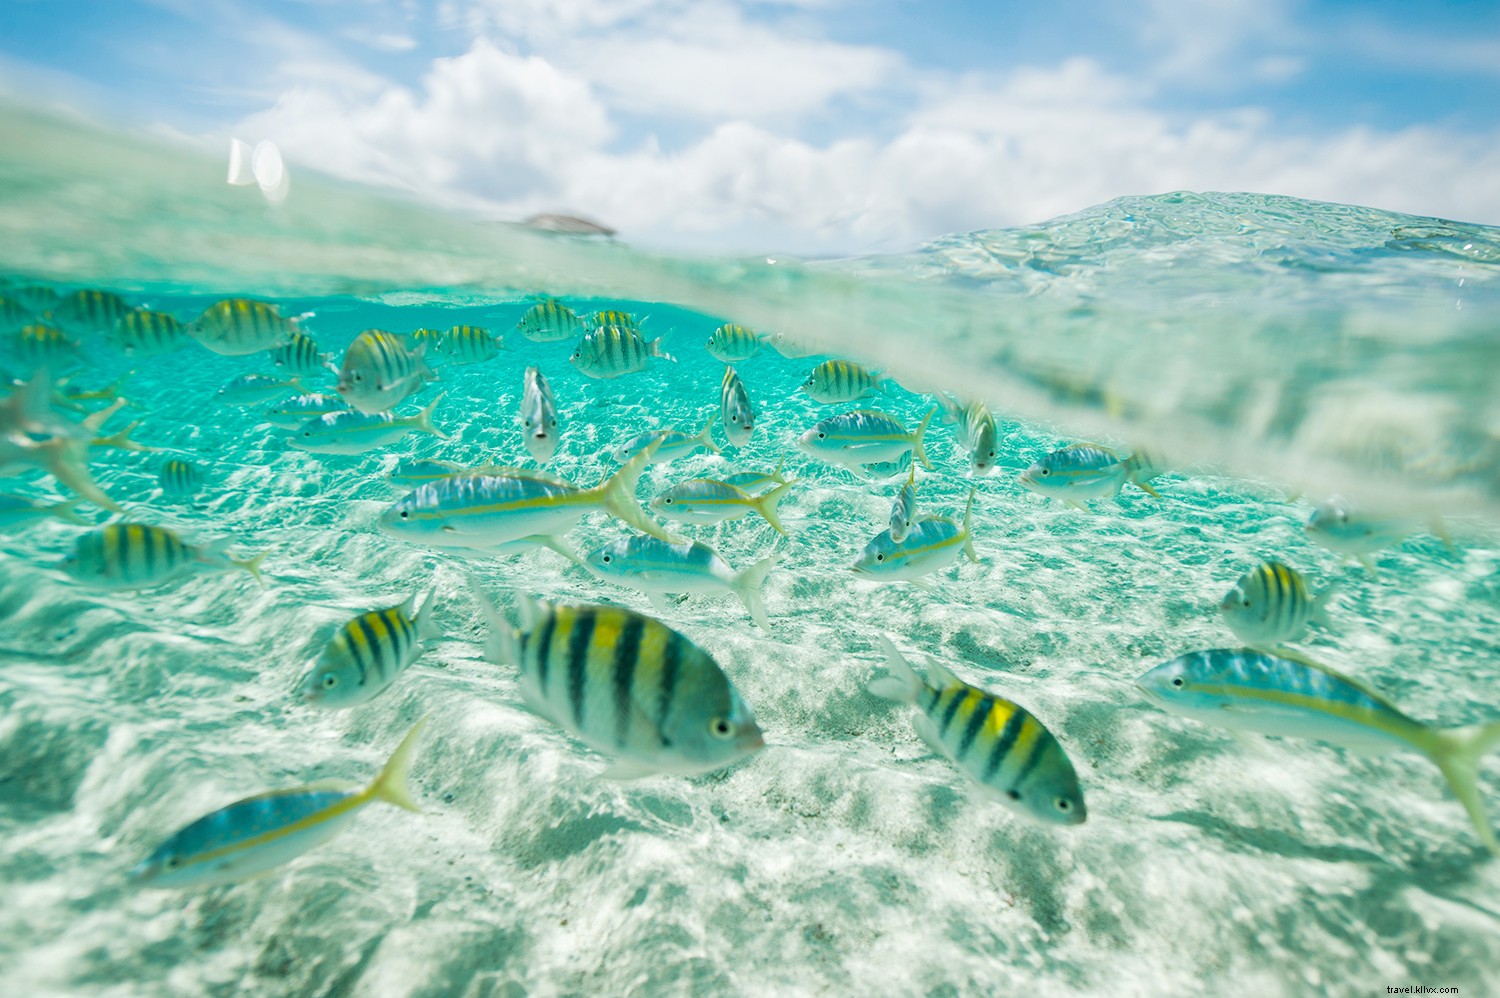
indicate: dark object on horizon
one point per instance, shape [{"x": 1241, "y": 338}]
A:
[{"x": 570, "y": 225}]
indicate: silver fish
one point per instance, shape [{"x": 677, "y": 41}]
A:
[
  {"x": 539, "y": 416},
  {"x": 734, "y": 404}
]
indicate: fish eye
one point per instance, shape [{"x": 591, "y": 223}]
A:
[
  {"x": 1063, "y": 804},
  {"x": 330, "y": 681},
  {"x": 822, "y": 436},
  {"x": 1245, "y": 603},
  {"x": 880, "y": 557},
  {"x": 721, "y": 727},
  {"x": 1177, "y": 682},
  {"x": 1045, "y": 472},
  {"x": 405, "y": 514},
  {"x": 1013, "y": 794},
  {"x": 668, "y": 500},
  {"x": 172, "y": 863},
  {"x": 605, "y": 559}
]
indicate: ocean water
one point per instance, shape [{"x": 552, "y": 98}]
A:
[{"x": 1276, "y": 351}]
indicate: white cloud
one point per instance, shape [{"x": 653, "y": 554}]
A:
[{"x": 1207, "y": 43}]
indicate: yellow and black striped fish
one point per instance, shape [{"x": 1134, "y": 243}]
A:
[
  {"x": 237, "y": 327},
  {"x": 380, "y": 370},
  {"x": 179, "y": 478},
  {"x": 993, "y": 741},
  {"x": 627, "y": 685},
  {"x": 469, "y": 345},
  {"x": 614, "y": 317},
  {"x": 430, "y": 341},
  {"x": 136, "y": 555},
  {"x": 144, "y": 333},
  {"x": 836, "y": 381},
  {"x": 611, "y": 351},
  {"x": 13, "y": 314},
  {"x": 90, "y": 311},
  {"x": 1271, "y": 604},
  {"x": 299, "y": 355},
  {"x": 550, "y": 321},
  {"x": 732, "y": 344},
  {"x": 40, "y": 347},
  {"x": 368, "y": 653}
]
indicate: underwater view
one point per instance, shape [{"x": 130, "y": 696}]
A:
[{"x": 398, "y": 604}]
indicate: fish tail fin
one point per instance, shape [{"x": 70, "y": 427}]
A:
[
  {"x": 426, "y": 626},
  {"x": 616, "y": 494},
  {"x": 121, "y": 440},
  {"x": 766, "y": 505},
  {"x": 93, "y": 423},
  {"x": 390, "y": 785},
  {"x": 949, "y": 405},
  {"x": 903, "y": 683},
  {"x": 776, "y": 475},
  {"x": 1321, "y": 602},
  {"x": 747, "y": 586},
  {"x": 1457, "y": 753},
  {"x": 252, "y": 565},
  {"x": 66, "y": 511},
  {"x": 500, "y": 638},
  {"x": 424, "y": 420},
  {"x": 918, "y": 450},
  {"x": 969, "y": 530},
  {"x": 706, "y": 438},
  {"x": 655, "y": 350}
]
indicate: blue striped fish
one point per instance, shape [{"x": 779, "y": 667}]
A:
[
  {"x": 626, "y": 685},
  {"x": 732, "y": 344},
  {"x": 863, "y": 437},
  {"x": 550, "y": 321},
  {"x": 368, "y": 653},
  {"x": 179, "y": 478},
  {"x": 1083, "y": 471},
  {"x": 411, "y": 473},
  {"x": 144, "y": 333},
  {"x": 670, "y": 444},
  {"x": 835, "y": 381},
  {"x": 703, "y": 500},
  {"x": 1271, "y": 604},
  {"x": 261, "y": 833},
  {"x": 138, "y": 556},
  {"x": 995, "y": 742},
  {"x": 294, "y": 412},
  {"x": 929, "y": 544},
  {"x": 734, "y": 406},
  {"x": 379, "y": 370},
  {"x": 351, "y": 432},
  {"x": 612, "y": 351},
  {"x": 89, "y": 311},
  {"x": 1359, "y": 534},
  {"x": 299, "y": 355},
  {"x": 539, "y": 416},
  {"x": 755, "y": 482},
  {"x": 976, "y": 431},
  {"x": 237, "y": 327},
  {"x": 469, "y": 345},
  {"x": 256, "y": 389},
  {"x": 904, "y": 509},
  {"x": 656, "y": 567},
  {"x": 1278, "y": 695}
]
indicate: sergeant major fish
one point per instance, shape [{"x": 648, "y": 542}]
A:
[
  {"x": 1271, "y": 604},
  {"x": 352, "y": 432},
  {"x": 89, "y": 311},
  {"x": 261, "y": 833},
  {"x": 993, "y": 741},
  {"x": 379, "y": 371},
  {"x": 469, "y": 345},
  {"x": 368, "y": 653},
  {"x": 612, "y": 351},
  {"x": 237, "y": 327},
  {"x": 539, "y": 416},
  {"x": 140, "y": 556},
  {"x": 865, "y": 437},
  {"x": 144, "y": 333},
  {"x": 734, "y": 405},
  {"x": 299, "y": 355},
  {"x": 550, "y": 321},
  {"x": 625, "y": 685},
  {"x": 835, "y": 381},
  {"x": 179, "y": 479},
  {"x": 656, "y": 567},
  {"x": 732, "y": 344},
  {"x": 1249, "y": 690}
]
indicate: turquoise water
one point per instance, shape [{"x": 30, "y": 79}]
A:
[{"x": 1279, "y": 351}]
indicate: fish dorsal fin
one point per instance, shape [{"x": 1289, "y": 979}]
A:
[
  {"x": 941, "y": 678},
  {"x": 1302, "y": 658}
]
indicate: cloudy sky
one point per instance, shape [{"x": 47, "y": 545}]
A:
[{"x": 810, "y": 126}]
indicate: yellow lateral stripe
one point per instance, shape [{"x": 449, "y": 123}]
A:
[
  {"x": 338, "y": 809},
  {"x": 1379, "y": 720}
]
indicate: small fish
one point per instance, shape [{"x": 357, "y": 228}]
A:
[
  {"x": 469, "y": 345},
  {"x": 89, "y": 311},
  {"x": 888, "y": 469},
  {"x": 754, "y": 482},
  {"x": 14, "y": 315},
  {"x": 612, "y": 351},
  {"x": 626, "y": 685},
  {"x": 904, "y": 509},
  {"x": 1244, "y": 689},
  {"x": 179, "y": 479},
  {"x": 261, "y": 833},
  {"x": 484, "y": 511},
  {"x": 20, "y": 511},
  {"x": 351, "y": 432},
  {"x": 930, "y": 544},
  {"x": 538, "y": 416},
  {"x": 1270, "y": 604},
  {"x": 734, "y": 404},
  {"x": 144, "y": 333},
  {"x": 550, "y": 321},
  {"x": 379, "y": 370},
  {"x": 835, "y": 381},
  {"x": 865, "y": 437},
  {"x": 37, "y": 297},
  {"x": 732, "y": 344},
  {"x": 430, "y": 341},
  {"x": 256, "y": 389},
  {"x": 703, "y": 500},
  {"x": 295, "y": 412},
  {"x": 655, "y": 567},
  {"x": 993, "y": 741},
  {"x": 138, "y": 556},
  {"x": 1080, "y": 472},
  {"x": 368, "y": 653},
  {"x": 299, "y": 355},
  {"x": 410, "y": 473},
  {"x": 614, "y": 317},
  {"x": 1357, "y": 534},
  {"x": 238, "y": 327},
  {"x": 671, "y": 444},
  {"x": 34, "y": 435},
  {"x": 40, "y": 347},
  {"x": 976, "y": 431},
  {"x": 792, "y": 347}
]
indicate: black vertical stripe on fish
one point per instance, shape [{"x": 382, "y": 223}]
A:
[
  {"x": 121, "y": 550},
  {"x": 1038, "y": 749},
  {"x": 578, "y": 660},
  {"x": 959, "y": 692},
  {"x": 148, "y": 551},
  {"x": 544, "y": 650},
  {"x": 930, "y": 697},
  {"x": 976, "y": 721},
  {"x": 671, "y": 665},
  {"x": 627, "y": 657},
  {"x": 1002, "y": 746}
]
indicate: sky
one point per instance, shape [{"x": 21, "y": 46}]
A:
[{"x": 803, "y": 126}]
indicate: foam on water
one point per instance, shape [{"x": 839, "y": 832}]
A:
[{"x": 846, "y": 857}]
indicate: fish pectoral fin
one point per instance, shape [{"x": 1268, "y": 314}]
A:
[{"x": 925, "y": 731}]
